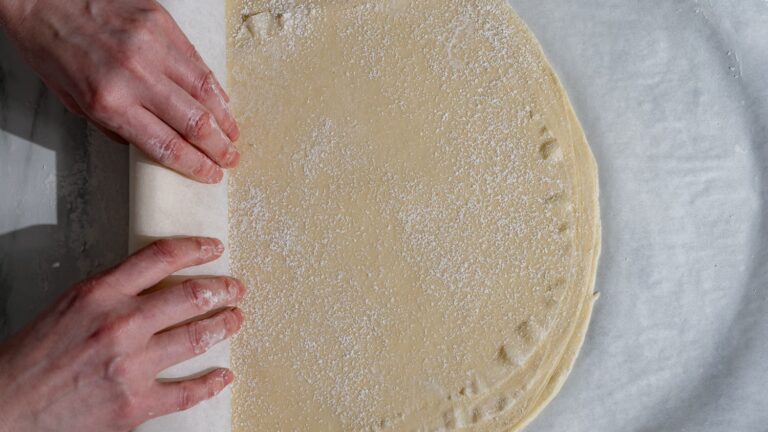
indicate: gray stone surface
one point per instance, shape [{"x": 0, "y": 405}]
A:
[{"x": 63, "y": 201}]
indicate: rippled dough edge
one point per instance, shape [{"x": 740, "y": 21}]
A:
[{"x": 563, "y": 348}]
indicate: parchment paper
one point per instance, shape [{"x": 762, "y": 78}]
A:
[
  {"x": 164, "y": 204},
  {"x": 673, "y": 96}
]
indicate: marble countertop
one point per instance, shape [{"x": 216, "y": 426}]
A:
[{"x": 63, "y": 200}]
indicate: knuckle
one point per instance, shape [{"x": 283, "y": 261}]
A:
[
  {"x": 169, "y": 150},
  {"x": 118, "y": 369},
  {"x": 185, "y": 399},
  {"x": 156, "y": 15},
  {"x": 130, "y": 58},
  {"x": 196, "y": 337},
  {"x": 165, "y": 251},
  {"x": 199, "y": 125},
  {"x": 204, "y": 86},
  {"x": 189, "y": 50},
  {"x": 142, "y": 26},
  {"x": 212, "y": 387},
  {"x": 111, "y": 334},
  {"x": 201, "y": 245},
  {"x": 196, "y": 293},
  {"x": 102, "y": 101},
  {"x": 87, "y": 290},
  {"x": 127, "y": 407},
  {"x": 82, "y": 296}
]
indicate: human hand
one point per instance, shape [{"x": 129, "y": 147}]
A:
[
  {"x": 90, "y": 362},
  {"x": 126, "y": 66}
]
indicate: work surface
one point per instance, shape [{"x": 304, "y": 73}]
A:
[{"x": 674, "y": 100}]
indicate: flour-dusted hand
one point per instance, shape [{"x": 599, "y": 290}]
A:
[
  {"x": 127, "y": 67},
  {"x": 90, "y": 362}
]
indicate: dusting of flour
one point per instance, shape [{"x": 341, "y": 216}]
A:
[{"x": 403, "y": 214}]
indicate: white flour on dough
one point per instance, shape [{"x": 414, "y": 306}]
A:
[{"x": 415, "y": 213}]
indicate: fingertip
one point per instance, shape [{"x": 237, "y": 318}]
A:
[
  {"x": 239, "y": 317},
  {"x": 242, "y": 289},
  {"x": 215, "y": 177},
  {"x": 234, "y": 133},
  {"x": 227, "y": 376},
  {"x": 219, "y": 380},
  {"x": 207, "y": 250},
  {"x": 220, "y": 246},
  {"x": 231, "y": 158},
  {"x": 221, "y": 90},
  {"x": 236, "y": 289},
  {"x": 216, "y": 245},
  {"x": 205, "y": 170}
]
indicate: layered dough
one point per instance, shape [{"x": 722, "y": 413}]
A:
[{"x": 415, "y": 213}]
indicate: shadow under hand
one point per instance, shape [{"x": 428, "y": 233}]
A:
[{"x": 38, "y": 263}]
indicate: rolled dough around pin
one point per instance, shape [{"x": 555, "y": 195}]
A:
[{"x": 415, "y": 212}]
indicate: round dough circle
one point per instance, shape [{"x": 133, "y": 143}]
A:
[{"x": 415, "y": 213}]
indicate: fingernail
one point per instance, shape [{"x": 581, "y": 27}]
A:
[
  {"x": 221, "y": 91},
  {"x": 234, "y": 134},
  {"x": 210, "y": 338},
  {"x": 227, "y": 376},
  {"x": 240, "y": 318},
  {"x": 232, "y": 158},
  {"x": 233, "y": 131},
  {"x": 211, "y": 248},
  {"x": 233, "y": 289},
  {"x": 224, "y": 100},
  {"x": 216, "y": 176},
  {"x": 219, "y": 246}
]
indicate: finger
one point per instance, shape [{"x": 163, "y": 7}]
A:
[
  {"x": 196, "y": 55},
  {"x": 181, "y": 396},
  {"x": 193, "y": 121},
  {"x": 197, "y": 80},
  {"x": 190, "y": 299},
  {"x": 221, "y": 89},
  {"x": 190, "y": 340},
  {"x": 149, "y": 266},
  {"x": 188, "y": 51},
  {"x": 161, "y": 143}
]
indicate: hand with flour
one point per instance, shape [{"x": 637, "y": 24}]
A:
[
  {"x": 126, "y": 66},
  {"x": 90, "y": 362}
]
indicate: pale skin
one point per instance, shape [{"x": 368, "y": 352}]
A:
[
  {"x": 128, "y": 68},
  {"x": 91, "y": 361}
]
